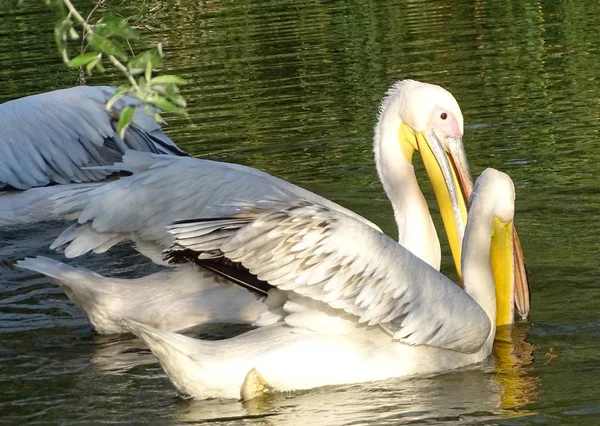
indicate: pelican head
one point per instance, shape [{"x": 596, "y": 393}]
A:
[
  {"x": 426, "y": 118},
  {"x": 497, "y": 192}
]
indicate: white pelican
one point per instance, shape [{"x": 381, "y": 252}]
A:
[
  {"x": 162, "y": 189},
  {"x": 356, "y": 305},
  {"x": 52, "y": 137}
]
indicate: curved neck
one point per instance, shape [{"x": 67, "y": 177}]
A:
[
  {"x": 416, "y": 230},
  {"x": 476, "y": 266}
]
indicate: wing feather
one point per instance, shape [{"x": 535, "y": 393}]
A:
[
  {"x": 52, "y": 137},
  {"x": 331, "y": 257},
  {"x": 164, "y": 189}
]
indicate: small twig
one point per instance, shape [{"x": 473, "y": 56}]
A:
[
  {"x": 89, "y": 31},
  {"x": 130, "y": 48},
  {"x": 96, "y": 6},
  {"x": 73, "y": 12},
  {"x": 119, "y": 65}
]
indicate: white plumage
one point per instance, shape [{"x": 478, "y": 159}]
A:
[
  {"x": 163, "y": 189},
  {"x": 435, "y": 325},
  {"x": 139, "y": 208},
  {"x": 173, "y": 299},
  {"x": 327, "y": 256}
]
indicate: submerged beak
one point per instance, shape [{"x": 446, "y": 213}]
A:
[
  {"x": 448, "y": 169},
  {"x": 447, "y": 187},
  {"x": 503, "y": 267},
  {"x": 522, "y": 292}
]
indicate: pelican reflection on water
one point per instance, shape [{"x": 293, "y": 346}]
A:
[{"x": 472, "y": 392}]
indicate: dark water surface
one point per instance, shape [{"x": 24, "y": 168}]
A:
[{"x": 293, "y": 88}]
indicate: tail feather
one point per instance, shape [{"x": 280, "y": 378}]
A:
[
  {"x": 77, "y": 282},
  {"x": 79, "y": 239},
  {"x": 92, "y": 293},
  {"x": 69, "y": 275},
  {"x": 188, "y": 362},
  {"x": 33, "y": 205},
  {"x": 173, "y": 299},
  {"x": 165, "y": 343}
]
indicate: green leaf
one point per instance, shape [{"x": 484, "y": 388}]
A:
[
  {"x": 91, "y": 65},
  {"x": 110, "y": 26},
  {"x": 125, "y": 120},
  {"x": 100, "y": 67},
  {"x": 123, "y": 88},
  {"x": 119, "y": 93},
  {"x": 160, "y": 88},
  {"x": 172, "y": 93},
  {"x": 167, "y": 106},
  {"x": 138, "y": 64},
  {"x": 166, "y": 79},
  {"x": 61, "y": 31},
  {"x": 109, "y": 47},
  {"x": 178, "y": 100},
  {"x": 81, "y": 60},
  {"x": 73, "y": 35},
  {"x": 141, "y": 82},
  {"x": 148, "y": 72}
]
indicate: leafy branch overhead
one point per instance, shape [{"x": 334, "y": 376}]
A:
[{"x": 105, "y": 40}]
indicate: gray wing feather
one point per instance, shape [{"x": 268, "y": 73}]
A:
[
  {"x": 52, "y": 137},
  {"x": 161, "y": 190},
  {"x": 328, "y": 256}
]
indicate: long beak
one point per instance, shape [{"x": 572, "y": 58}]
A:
[
  {"x": 522, "y": 291},
  {"x": 448, "y": 170},
  {"x": 502, "y": 262},
  {"x": 447, "y": 189},
  {"x": 521, "y": 287}
]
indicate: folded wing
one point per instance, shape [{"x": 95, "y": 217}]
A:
[{"x": 328, "y": 256}]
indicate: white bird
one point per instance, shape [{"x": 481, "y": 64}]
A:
[
  {"x": 357, "y": 306},
  {"x": 162, "y": 189},
  {"x": 173, "y": 299},
  {"x": 52, "y": 138}
]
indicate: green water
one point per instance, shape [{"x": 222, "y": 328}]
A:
[{"x": 293, "y": 88}]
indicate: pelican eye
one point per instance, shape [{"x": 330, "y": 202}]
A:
[{"x": 443, "y": 115}]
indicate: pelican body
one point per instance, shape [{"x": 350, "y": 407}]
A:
[
  {"x": 414, "y": 117},
  {"x": 356, "y": 306}
]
